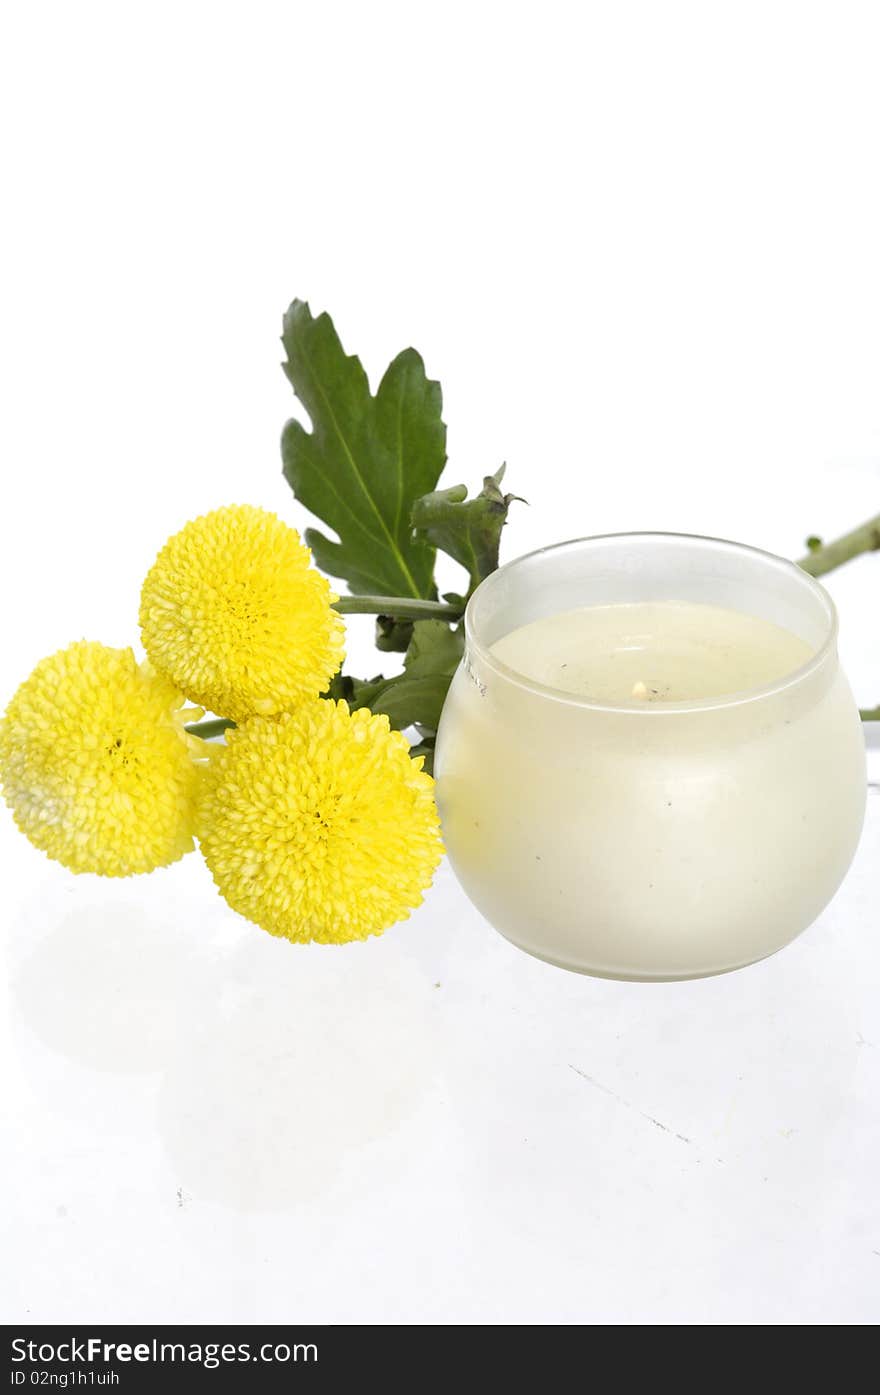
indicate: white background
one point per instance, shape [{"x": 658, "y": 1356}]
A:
[{"x": 638, "y": 244}]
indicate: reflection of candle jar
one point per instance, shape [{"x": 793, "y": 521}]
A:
[{"x": 650, "y": 764}]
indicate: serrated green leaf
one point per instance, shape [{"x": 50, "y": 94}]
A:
[
  {"x": 366, "y": 459},
  {"x": 469, "y": 530}
]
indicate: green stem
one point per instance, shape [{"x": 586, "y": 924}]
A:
[
  {"x": 827, "y": 556},
  {"x": 215, "y": 726},
  {"x": 870, "y": 714},
  {"x": 401, "y": 607}
]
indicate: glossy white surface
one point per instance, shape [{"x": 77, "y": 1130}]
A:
[
  {"x": 638, "y": 245},
  {"x": 206, "y": 1124}
]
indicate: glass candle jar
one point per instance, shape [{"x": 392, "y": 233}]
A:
[{"x": 655, "y": 833}]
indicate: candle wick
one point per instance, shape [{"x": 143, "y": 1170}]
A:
[{"x": 640, "y": 690}]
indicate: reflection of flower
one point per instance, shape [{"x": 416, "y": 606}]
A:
[
  {"x": 318, "y": 825},
  {"x": 96, "y": 765},
  {"x": 236, "y": 617}
]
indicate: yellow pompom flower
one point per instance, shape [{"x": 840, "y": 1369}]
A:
[
  {"x": 233, "y": 613},
  {"x": 96, "y": 765},
  {"x": 318, "y": 825}
]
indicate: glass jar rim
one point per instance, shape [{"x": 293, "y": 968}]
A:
[{"x": 474, "y": 645}]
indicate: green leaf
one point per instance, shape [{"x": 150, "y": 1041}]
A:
[
  {"x": 469, "y": 530},
  {"x": 366, "y": 459},
  {"x": 434, "y": 648},
  {"x": 409, "y": 702},
  {"x": 420, "y": 640},
  {"x": 356, "y": 691},
  {"x": 426, "y": 749},
  {"x": 416, "y": 696},
  {"x": 393, "y": 636}
]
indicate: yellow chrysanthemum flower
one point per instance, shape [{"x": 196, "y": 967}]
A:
[
  {"x": 95, "y": 763},
  {"x": 318, "y": 825},
  {"x": 234, "y": 614}
]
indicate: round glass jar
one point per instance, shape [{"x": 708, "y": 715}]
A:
[{"x": 666, "y": 840}]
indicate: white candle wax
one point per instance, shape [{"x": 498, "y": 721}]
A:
[
  {"x": 657, "y": 651},
  {"x": 664, "y": 784}
]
